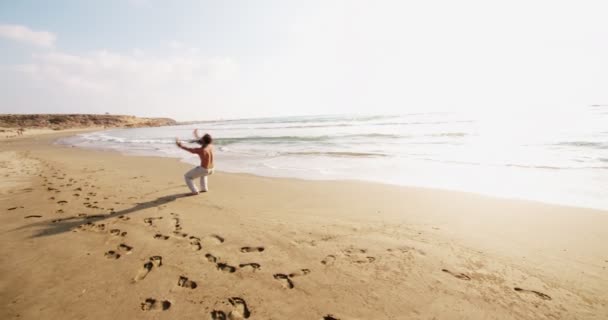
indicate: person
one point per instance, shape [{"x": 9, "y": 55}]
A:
[{"x": 205, "y": 153}]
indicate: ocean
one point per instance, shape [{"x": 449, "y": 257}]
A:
[{"x": 557, "y": 156}]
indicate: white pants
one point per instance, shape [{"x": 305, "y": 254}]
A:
[{"x": 198, "y": 172}]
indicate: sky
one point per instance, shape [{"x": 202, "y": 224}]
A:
[{"x": 205, "y": 60}]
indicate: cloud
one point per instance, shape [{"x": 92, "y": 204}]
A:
[
  {"x": 173, "y": 44},
  {"x": 26, "y": 35},
  {"x": 107, "y": 71},
  {"x": 111, "y": 81}
]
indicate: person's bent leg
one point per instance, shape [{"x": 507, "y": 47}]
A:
[
  {"x": 204, "y": 186},
  {"x": 191, "y": 175}
]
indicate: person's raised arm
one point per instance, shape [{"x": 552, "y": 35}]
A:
[{"x": 179, "y": 144}]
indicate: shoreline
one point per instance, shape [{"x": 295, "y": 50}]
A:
[
  {"x": 371, "y": 250},
  {"x": 371, "y": 181}
]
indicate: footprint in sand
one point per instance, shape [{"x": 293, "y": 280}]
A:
[
  {"x": 160, "y": 237},
  {"x": 112, "y": 255},
  {"x": 154, "y": 305},
  {"x": 116, "y": 232},
  {"x": 240, "y": 308},
  {"x": 62, "y": 202},
  {"x": 254, "y": 266},
  {"x": 150, "y": 221},
  {"x": 284, "y": 279},
  {"x": 225, "y": 267},
  {"x": 354, "y": 251},
  {"x": 301, "y": 272},
  {"x": 218, "y": 315},
  {"x": 460, "y": 276},
  {"x": 124, "y": 218},
  {"x": 143, "y": 272},
  {"x": 185, "y": 283},
  {"x": 211, "y": 258},
  {"x": 366, "y": 260},
  {"x": 176, "y": 223},
  {"x": 215, "y": 238},
  {"x": 537, "y": 293},
  {"x": 155, "y": 261},
  {"x": 329, "y": 260},
  {"x": 180, "y": 234},
  {"x": 357, "y": 255},
  {"x": 32, "y": 216},
  {"x": 124, "y": 248},
  {"x": 90, "y": 226},
  {"x": 195, "y": 243},
  {"x": 196, "y": 246},
  {"x": 252, "y": 249}
]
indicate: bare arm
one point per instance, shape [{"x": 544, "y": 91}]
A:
[{"x": 179, "y": 144}]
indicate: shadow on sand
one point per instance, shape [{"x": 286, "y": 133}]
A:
[{"x": 67, "y": 224}]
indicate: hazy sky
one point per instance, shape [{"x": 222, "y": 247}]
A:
[{"x": 196, "y": 60}]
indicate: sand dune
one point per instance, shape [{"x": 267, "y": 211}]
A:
[{"x": 98, "y": 235}]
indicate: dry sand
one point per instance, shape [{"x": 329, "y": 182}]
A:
[
  {"x": 13, "y": 134},
  {"x": 97, "y": 235}
]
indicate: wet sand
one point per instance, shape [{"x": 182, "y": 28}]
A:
[{"x": 98, "y": 235}]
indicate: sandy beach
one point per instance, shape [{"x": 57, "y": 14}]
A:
[{"x": 99, "y": 235}]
